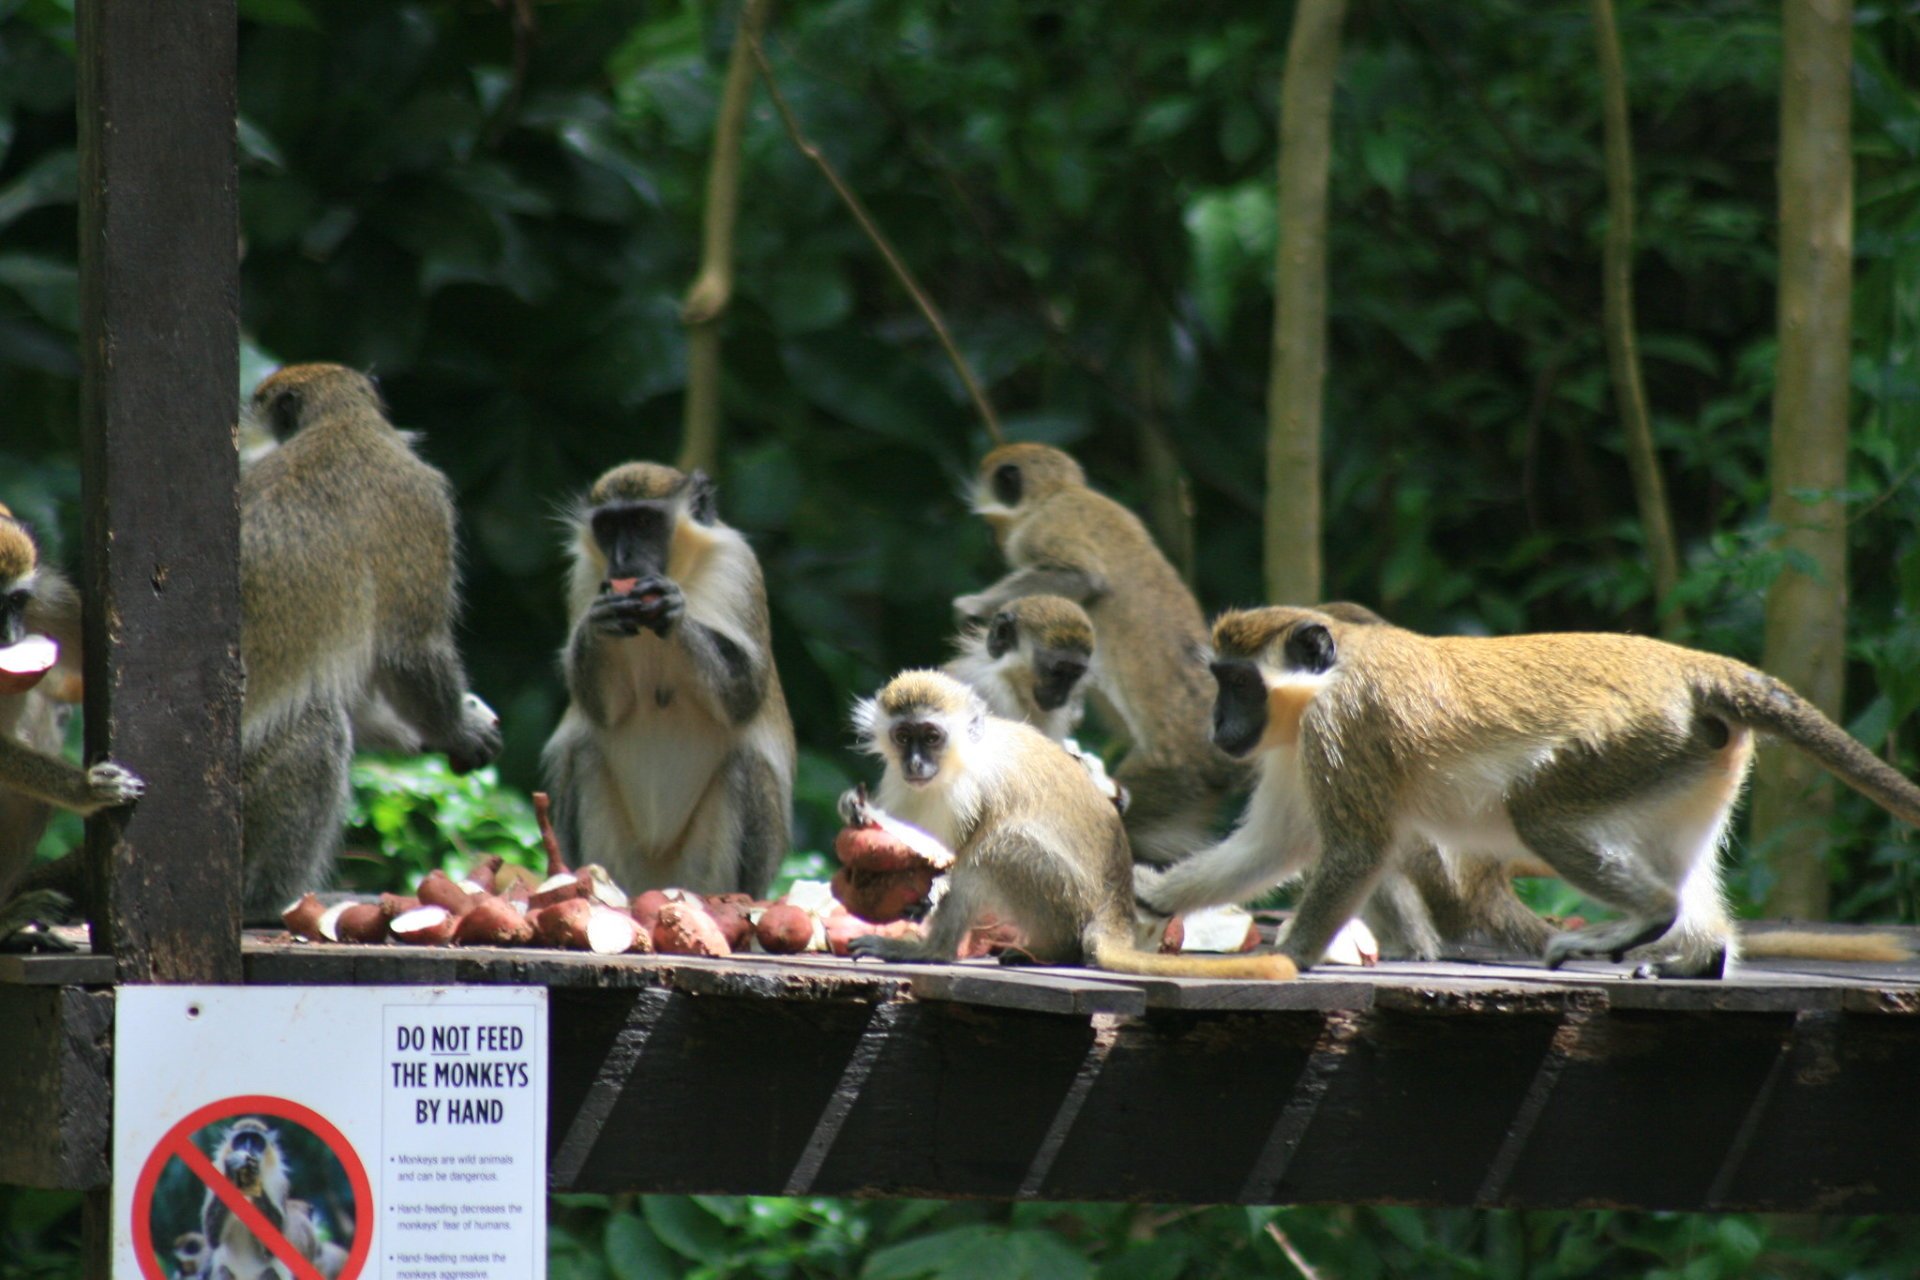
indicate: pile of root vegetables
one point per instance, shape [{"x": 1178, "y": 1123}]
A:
[{"x": 887, "y": 873}]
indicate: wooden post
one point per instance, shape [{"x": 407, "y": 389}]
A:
[{"x": 160, "y": 342}]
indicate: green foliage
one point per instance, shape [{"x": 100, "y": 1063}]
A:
[{"x": 410, "y": 815}]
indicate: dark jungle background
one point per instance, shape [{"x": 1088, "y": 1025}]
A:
[{"x": 495, "y": 205}]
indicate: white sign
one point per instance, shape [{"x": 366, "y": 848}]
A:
[{"x": 331, "y": 1133}]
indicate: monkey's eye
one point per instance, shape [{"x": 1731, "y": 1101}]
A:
[
  {"x": 901, "y": 735},
  {"x": 934, "y": 735}
]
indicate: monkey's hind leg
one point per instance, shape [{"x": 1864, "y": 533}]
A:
[
  {"x": 1680, "y": 930},
  {"x": 293, "y": 809}
]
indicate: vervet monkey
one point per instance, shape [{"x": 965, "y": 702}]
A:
[
  {"x": 1615, "y": 759},
  {"x": 249, "y": 1157},
  {"x": 36, "y": 601},
  {"x": 190, "y": 1254},
  {"x": 674, "y": 762},
  {"x": 1027, "y": 661},
  {"x": 1063, "y": 538},
  {"x": 1036, "y": 843}
]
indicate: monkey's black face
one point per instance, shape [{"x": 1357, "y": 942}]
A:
[
  {"x": 635, "y": 537},
  {"x": 919, "y": 745},
  {"x": 1239, "y": 707},
  {"x": 246, "y": 1149},
  {"x": 1007, "y": 484},
  {"x": 1055, "y": 673}
]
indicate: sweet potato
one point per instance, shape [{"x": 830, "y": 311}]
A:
[
  {"x": 784, "y": 929},
  {"x": 493, "y": 922},
  {"x": 685, "y": 929},
  {"x": 426, "y": 925},
  {"x": 302, "y": 918}
]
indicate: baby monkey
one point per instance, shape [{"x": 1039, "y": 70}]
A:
[{"x": 1036, "y": 842}]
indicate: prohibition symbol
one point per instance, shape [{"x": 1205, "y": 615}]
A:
[{"x": 178, "y": 1147}]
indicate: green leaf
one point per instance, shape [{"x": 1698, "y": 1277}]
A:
[
  {"x": 925, "y": 1256},
  {"x": 686, "y": 1228},
  {"x": 635, "y": 1253}
]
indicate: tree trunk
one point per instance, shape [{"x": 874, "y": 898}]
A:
[
  {"x": 1292, "y": 536},
  {"x": 1623, "y": 357},
  {"x": 1806, "y": 609},
  {"x": 706, "y": 302}
]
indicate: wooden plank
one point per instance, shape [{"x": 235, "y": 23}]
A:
[
  {"x": 159, "y": 313},
  {"x": 984, "y": 982},
  {"x": 289, "y": 962},
  {"x": 79, "y": 969},
  {"x": 54, "y": 1103}
]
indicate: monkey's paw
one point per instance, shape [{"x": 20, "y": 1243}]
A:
[
  {"x": 480, "y": 736},
  {"x": 108, "y": 784}
]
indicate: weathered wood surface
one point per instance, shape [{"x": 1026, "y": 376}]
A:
[
  {"x": 54, "y": 1093},
  {"x": 1446, "y": 1084},
  {"x": 160, "y": 353}
]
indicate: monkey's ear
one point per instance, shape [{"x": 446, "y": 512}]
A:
[
  {"x": 283, "y": 415},
  {"x": 701, "y": 502},
  {"x": 1310, "y": 649},
  {"x": 1002, "y": 634},
  {"x": 1007, "y": 484}
]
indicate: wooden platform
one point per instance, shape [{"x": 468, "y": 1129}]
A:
[{"x": 1790, "y": 1086}]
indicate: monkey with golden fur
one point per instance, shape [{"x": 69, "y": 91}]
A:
[
  {"x": 1063, "y": 538},
  {"x": 1614, "y": 759},
  {"x": 37, "y": 602},
  {"x": 674, "y": 762},
  {"x": 1036, "y": 842},
  {"x": 349, "y": 593}
]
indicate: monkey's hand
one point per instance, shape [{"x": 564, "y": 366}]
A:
[
  {"x": 654, "y": 605},
  {"x": 875, "y": 946},
  {"x": 108, "y": 784},
  {"x": 480, "y": 739}
]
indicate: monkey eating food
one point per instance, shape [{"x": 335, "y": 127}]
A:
[
  {"x": 1035, "y": 841},
  {"x": 1614, "y": 759},
  {"x": 674, "y": 762},
  {"x": 40, "y": 626}
]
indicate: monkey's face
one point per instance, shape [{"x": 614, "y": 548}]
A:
[
  {"x": 917, "y": 748},
  {"x": 1017, "y": 475},
  {"x": 190, "y": 1251},
  {"x": 246, "y": 1151},
  {"x": 640, "y": 511},
  {"x": 1261, "y": 657}
]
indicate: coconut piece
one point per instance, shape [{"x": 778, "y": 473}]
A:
[
  {"x": 1354, "y": 944},
  {"x": 23, "y": 663},
  {"x": 302, "y": 918},
  {"x": 426, "y": 925},
  {"x": 361, "y": 922},
  {"x": 784, "y": 929},
  {"x": 685, "y": 929},
  {"x": 438, "y": 889},
  {"x": 1223, "y": 928},
  {"x": 493, "y": 922}
]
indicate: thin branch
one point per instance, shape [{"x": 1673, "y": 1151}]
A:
[
  {"x": 706, "y": 301},
  {"x": 1623, "y": 357},
  {"x": 812, "y": 152},
  {"x": 1300, "y": 1264}
]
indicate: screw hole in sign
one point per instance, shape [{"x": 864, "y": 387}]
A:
[{"x": 280, "y": 1114}]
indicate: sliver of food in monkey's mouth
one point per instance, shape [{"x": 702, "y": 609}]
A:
[
  {"x": 22, "y": 664},
  {"x": 625, "y": 587}
]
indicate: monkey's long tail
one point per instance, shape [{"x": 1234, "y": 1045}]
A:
[
  {"x": 1797, "y": 944},
  {"x": 1759, "y": 701},
  {"x": 1118, "y": 957}
]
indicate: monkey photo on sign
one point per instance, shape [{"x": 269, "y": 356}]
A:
[
  {"x": 1036, "y": 843},
  {"x": 349, "y": 592},
  {"x": 1614, "y": 759},
  {"x": 1066, "y": 539},
  {"x": 39, "y": 659},
  {"x": 673, "y": 765}
]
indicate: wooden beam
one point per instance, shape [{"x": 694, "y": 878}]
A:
[{"x": 159, "y": 290}]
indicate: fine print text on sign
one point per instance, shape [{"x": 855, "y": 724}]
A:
[{"x": 331, "y": 1132}]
